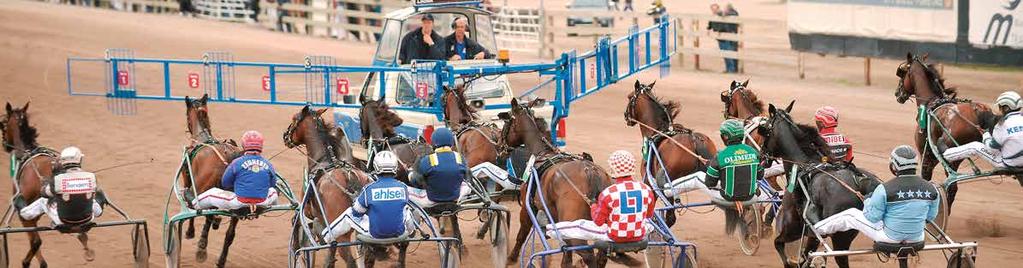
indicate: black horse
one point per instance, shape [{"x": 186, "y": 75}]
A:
[{"x": 831, "y": 188}]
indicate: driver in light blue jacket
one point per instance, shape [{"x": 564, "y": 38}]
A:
[
  {"x": 383, "y": 202},
  {"x": 897, "y": 211}
]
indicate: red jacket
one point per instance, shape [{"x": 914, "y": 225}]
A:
[
  {"x": 841, "y": 146},
  {"x": 623, "y": 207}
]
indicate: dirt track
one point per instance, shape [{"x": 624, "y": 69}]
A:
[{"x": 36, "y": 38}]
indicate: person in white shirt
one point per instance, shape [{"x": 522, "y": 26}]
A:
[{"x": 1002, "y": 146}]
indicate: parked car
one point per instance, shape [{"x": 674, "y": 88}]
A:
[{"x": 590, "y": 5}]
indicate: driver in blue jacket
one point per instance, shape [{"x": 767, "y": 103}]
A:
[
  {"x": 897, "y": 211},
  {"x": 383, "y": 200},
  {"x": 440, "y": 176}
]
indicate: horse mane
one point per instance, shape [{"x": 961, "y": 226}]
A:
[
  {"x": 816, "y": 142},
  {"x": 758, "y": 104},
  {"x": 462, "y": 105},
  {"x": 387, "y": 119}
]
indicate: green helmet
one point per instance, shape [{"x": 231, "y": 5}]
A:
[{"x": 732, "y": 130}]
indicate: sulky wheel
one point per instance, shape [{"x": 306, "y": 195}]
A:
[
  {"x": 4, "y": 260},
  {"x": 140, "y": 246},
  {"x": 451, "y": 256},
  {"x": 499, "y": 239},
  {"x": 749, "y": 235},
  {"x": 655, "y": 255},
  {"x": 173, "y": 244},
  {"x": 687, "y": 258},
  {"x": 962, "y": 260}
]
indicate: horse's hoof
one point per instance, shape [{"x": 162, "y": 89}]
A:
[
  {"x": 216, "y": 224},
  {"x": 190, "y": 233},
  {"x": 90, "y": 255},
  {"x": 203, "y": 243},
  {"x": 200, "y": 256}
]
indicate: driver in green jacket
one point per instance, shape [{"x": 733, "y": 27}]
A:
[{"x": 737, "y": 168}]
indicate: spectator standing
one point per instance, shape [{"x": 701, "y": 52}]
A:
[{"x": 731, "y": 64}]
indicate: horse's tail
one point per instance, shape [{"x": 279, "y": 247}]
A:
[
  {"x": 595, "y": 178},
  {"x": 987, "y": 119},
  {"x": 732, "y": 220}
]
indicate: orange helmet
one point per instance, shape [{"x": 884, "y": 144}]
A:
[
  {"x": 827, "y": 116},
  {"x": 252, "y": 141}
]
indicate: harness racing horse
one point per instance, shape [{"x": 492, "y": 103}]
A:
[
  {"x": 208, "y": 158},
  {"x": 832, "y": 189},
  {"x": 33, "y": 165},
  {"x": 377, "y": 123},
  {"x": 569, "y": 182},
  {"x": 685, "y": 153},
  {"x": 476, "y": 139},
  {"x": 959, "y": 119},
  {"x": 337, "y": 181},
  {"x": 743, "y": 104}
]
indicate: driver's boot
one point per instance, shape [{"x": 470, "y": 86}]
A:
[
  {"x": 19, "y": 202},
  {"x": 813, "y": 214}
]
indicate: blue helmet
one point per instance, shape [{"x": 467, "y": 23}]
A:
[{"x": 442, "y": 137}]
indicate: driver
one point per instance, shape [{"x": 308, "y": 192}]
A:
[
  {"x": 460, "y": 46},
  {"x": 440, "y": 175},
  {"x": 896, "y": 211},
  {"x": 1002, "y": 146},
  {"x": 72, "y": 197},
  {"x": 737, "y": 168},
  {"x": 422, "y": 44},
  {"x": 248, "y": 181},
  {"x": 383, "y": 200}
]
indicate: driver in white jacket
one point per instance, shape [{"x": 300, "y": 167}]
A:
[{"x": 1003, "y": 144}]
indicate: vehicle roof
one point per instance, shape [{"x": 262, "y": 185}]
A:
[{"x": 405, "y": 13}]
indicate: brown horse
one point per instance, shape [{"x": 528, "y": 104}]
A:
[
  {"x": 687, "y": 150},
  {"x": 477, "y": 140},
  {"x": 337, "y": 181},
  {"x": 960, "y": 117},
  {"x": 741, "y": 103},
  {"x": 377, "y": 123},
  {"x": 569, "y": 183},
  {"x": 209, "y": 158},
  {"x": 34, "y": 167}
]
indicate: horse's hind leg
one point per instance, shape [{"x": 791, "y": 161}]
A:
[
  {"x": 842, "y": 241},
  {"x": 458, "y": 234},
  {"x": 952, "y": 189},
  {"x": 200, "y": 254},
  {"x": 190, "y": 232},
  {"x": 525, "y": 226},
  {"x": 402, "y": 251},
  {"x": 34, "y": 244},
  {"x": 228, "y": 239},
  {"x": 89, "y": 253}
]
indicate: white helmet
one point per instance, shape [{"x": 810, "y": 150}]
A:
[
  {"x": 385, "y": 162},
  {"x": 1009, "y": 99},
  {"x": 71, "y": 156}
]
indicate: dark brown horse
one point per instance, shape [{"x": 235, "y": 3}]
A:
[
  {"x": 683, "y": 150},
  {"x": 337, "y": 181},
  {"x": 960, "y": 117},
  {"x": 209, "y": 158},
  {"x": 832, "y": 189},
  {"x": 477, "y": 140},
  {"x": 377, "y": 123},
  {"x": 34, "y": 167},
  {"x": 569, "y": 183}
]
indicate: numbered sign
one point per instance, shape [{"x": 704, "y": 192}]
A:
[
  {"x": 266, "y": 82},
  {"x": 592, "y": 66},
  {"x": 193, "y": 80},
  {"x": 342, "y": 85},
  {"x": 421, "y": 90},
  {"x": 122, "y": 78}
]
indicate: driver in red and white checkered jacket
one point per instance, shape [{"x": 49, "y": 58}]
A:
[
  {"x": 625, "y": 205},
  {"x": 620, "y": 211}
]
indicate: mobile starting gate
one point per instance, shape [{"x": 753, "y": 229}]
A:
[{"x": 574, "y": 76}]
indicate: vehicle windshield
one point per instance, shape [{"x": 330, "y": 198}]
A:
[
  {"x": 589, "y": 3},
  {"x": 485, "y": 33},
  {"x": 387, "y": 48}
]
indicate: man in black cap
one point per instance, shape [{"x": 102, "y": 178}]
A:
[{"x": 422, "y": 44}]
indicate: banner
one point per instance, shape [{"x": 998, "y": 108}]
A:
[
  {"x": 935, "y": 4},
  {"x": 996, "y": 23}
]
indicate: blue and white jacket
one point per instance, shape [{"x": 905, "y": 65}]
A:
[
  {"x": 1007, "y": 138},
  {"x": 384, "y": 200},
  {"x": 903, "y": 205},
  {"x": 249, "y": 176}
]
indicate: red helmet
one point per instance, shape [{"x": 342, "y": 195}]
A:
[
  {"x": 252, "y": 141},
  {"x": 827, "y": 116}
]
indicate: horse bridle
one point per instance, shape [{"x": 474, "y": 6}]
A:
[
  {"x": 630, "y": 109},
  {"x": 510, "y": 124},
  {"x": 903, "y": 71},
  {"x": 320, "y": 127},
  {"x": 744, "y": 94}
]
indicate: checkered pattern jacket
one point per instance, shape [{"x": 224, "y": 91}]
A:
[{"x": 623, "y": 207}]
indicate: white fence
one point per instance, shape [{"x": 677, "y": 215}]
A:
[
  {"x": 225, "y": 10},
  {"x": 518, "y": 29}
]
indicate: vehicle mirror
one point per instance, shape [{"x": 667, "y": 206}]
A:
[{"x": 477, "y": 103}]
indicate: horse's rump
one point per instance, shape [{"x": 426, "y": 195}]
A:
[
  {"x": 33, "y": 173},
  {"x": 962, "y": 119},
  {"x": 830, "y": 195},
  {"x": 208, "y": 163},
  {"x": 570, "y": 186},
  {"x": 338, "y": 189}
]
